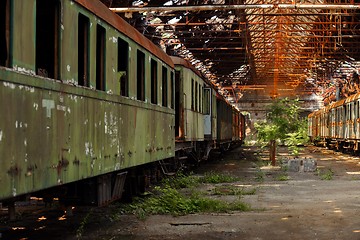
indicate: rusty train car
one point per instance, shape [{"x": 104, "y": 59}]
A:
[
  {"x": 204, "y": 119},
  {"x": 89, "y": 105},
  {"x": 337, "y": 126}
]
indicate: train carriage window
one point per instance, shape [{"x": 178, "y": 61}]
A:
[
  {"x": 4, "y": 32},
  {"x": 140, "y": 76},
  {"x": 83, "y": 50},
  {"x": 154, "y": 79},
  {"x": 172, "y": 94},
  {"x": 164, "y": 87},
  {"x": 123, "y": 66},
  {"x": 196, "y": 97},
  {"x": 47, "y": 38},
  {"x": 206, "y": 101},
  {"x": 177, "y": 103},
  {"x": 199, "y": 98},
  {"x": 100, "y": 57},
  {"x": 192, "y": 94}
]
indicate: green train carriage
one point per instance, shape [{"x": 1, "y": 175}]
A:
[
  {"x": 205, "y": 121},
  {"x": 82, "y": 95}
]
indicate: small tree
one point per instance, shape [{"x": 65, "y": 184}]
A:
[{"x": 283, "y": 124}]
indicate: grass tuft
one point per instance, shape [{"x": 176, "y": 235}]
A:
[
  {"x": 283, "y": 177},
  {"x": 212, "y": 177},
  {"x": 181, "y": 181},
  {"x": 326, "y": 175},
  {"x": 232, "y": 190},
  {"x": 170, "y": 201}
]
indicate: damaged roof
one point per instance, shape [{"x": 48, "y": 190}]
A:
[{"x": 278, "y": 48}]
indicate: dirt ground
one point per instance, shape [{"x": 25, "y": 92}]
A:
[{"x": 302, "y": 207}]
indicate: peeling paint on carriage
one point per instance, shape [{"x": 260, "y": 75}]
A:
[
  {"x": 71, "y": 82},
  {"x": 14, "y": 170},
  {"x": 24, "y": 70},
  {"x": 49, "y": 105},
  {"x": 52, "y": 135},
  {"x": 113, "y": 39}
]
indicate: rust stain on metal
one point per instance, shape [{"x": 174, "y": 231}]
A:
[
  {"x": 14, "y": 171},
  {"x": 30, "y": 170},
  {"x": 76, "y": 161},
  {"x": 63, "y": 163}
]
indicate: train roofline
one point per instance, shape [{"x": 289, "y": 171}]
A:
[
  {"x": 100, "y": 10},
  {"x": 182, "y": 62},
  {"x": 352, "y": 98},
  {"x": 336, "y": 104}
]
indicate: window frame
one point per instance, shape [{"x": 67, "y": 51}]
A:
[
  {"x": 100, "y": 57},
  {"x": 154, "y": 81},
  {"x": 140, "y": 76},
  {"x": 84, "y": 50},
  {"x": 164, "y": 91},
  {"x": 123, "y": 66}
]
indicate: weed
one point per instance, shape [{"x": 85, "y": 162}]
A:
[
  {"x": 83, "y": 223},
  {"x": 170, "y": 201},
  {"x": 249, "y": 192},
  {"x": 184, "y": 181},
  {"x": 232, "y": 190},
  {"x": 259, "y": 175},
  {"x": 181, "y": 181},
  {"x": 327, "y": 175},
  {"x": 212, "y": 177},
  {"x": 283, "y": 177},
  {"x": 284, "y": 168}
]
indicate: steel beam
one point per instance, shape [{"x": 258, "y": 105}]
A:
[{"x": 237, "y": 7}]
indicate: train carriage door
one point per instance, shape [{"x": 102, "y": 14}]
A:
[
  {"x": 322, "y": 124},
  {"x": 351, "y": 120},
  {"x": 207, "y": 111},
  {"x": 178, "y": 106},
  {"x": 347, "y": 109},
  {"x": 327, "y": 124},
  {"x": 346, "y": 121},
  {"x": 47, "y": 38},
  {"x": 337, "y": 122},
  {"x": 4, "y": 32}
]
